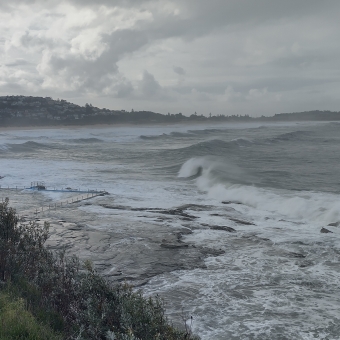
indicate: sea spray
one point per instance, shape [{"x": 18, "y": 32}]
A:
[
  {"x": 211, "y": 170},
  {"x": 195, "y": 165}
]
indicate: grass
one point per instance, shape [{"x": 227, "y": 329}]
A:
[{"x": 17, "y": 323}]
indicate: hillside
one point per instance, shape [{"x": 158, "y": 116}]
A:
[{"x": 45, "y": 111}]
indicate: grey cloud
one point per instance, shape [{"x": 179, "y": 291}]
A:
[
  {"x": 179, "y": 70},
  {"x": 286, "y": 83},
  {"x": 296, "y": 61},
  {"x": 149, "y": 86},
  {"x": 12, "y": 86},
  {"x": 89, "y": 75},
  {"x": 29, "y": 40},
  {"x": 125, "y": 41},
  {"x": 124, "y": 89},
  {"x": 214, "y": 89},
  {"x": 49, "y": 3},
  {"x": 9, "y": 6},
  {"x": 98, "y": 74},
  {"x": 18, "y": 62},
  {"x": 200, "y": 17},
  {"x": 110, "y": 3},
  {"x": 217, "y": 11}
]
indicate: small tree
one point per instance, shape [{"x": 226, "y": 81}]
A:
[
  {"x": 9, "y": 236},
  {"x": 88, "y": 108},
  {"x": 21, "y": 245}
]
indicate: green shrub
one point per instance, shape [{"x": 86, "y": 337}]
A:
[{"x": 17, "y": 323}]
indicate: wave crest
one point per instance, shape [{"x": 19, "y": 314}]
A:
[
  {"x": 226, "y": 182},
  {"x": 27, "y": 146},
  {"x": 291, "y": 136},
  {"x": 85, "y": 140},
  {"x": 210, "y": 170}
]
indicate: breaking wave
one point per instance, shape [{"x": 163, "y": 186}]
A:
[
  {"x": 291, "y": 136},
  {"x": 85, "y": 140},
  {"x": 226, "y": 182},
  {"x": 216, "y": 146},
  {"x": 174, "y": 134},
  {"x": 153, "y": 137},
  {"x": 242, "y": 141},
  {"x": 212, "y": 170},
  {"x": 205, "y": 131},
  {"x": 189, "y": 133},
  {"x": 180, "y": 134},
  {"x": 4, "y": 148},
  {"x": 27, "y": 146}
]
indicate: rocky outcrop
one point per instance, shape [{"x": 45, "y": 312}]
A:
[
  {"x": 223, "y": 227},
  {"x": 325, "y": 231},
  {"x": 334, "y": 224}
]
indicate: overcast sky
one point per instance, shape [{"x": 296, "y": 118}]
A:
[{"x": 221, "y": 56}]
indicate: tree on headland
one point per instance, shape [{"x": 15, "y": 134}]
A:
[{"x": 88, "y": 108}]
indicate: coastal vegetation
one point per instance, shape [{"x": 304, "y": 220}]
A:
[
  {"x": 58, "y": 297},
  {"x": 16, "y": 322},
  {"x": 45, "y": 111}
]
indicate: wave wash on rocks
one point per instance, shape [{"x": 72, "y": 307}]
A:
[{"x": 72, "y": 298}]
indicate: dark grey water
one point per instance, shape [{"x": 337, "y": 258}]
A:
[{"x": 278, "y": 278}]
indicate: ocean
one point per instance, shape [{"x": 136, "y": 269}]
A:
[{"x": 246, "y": 203}]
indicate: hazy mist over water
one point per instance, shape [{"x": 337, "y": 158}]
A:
[{"x": 278, "y": 278}]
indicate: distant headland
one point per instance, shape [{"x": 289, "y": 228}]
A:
[{"x": 45, "y": 111}]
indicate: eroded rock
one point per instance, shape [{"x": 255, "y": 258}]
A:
[
  {"x": 325, "y": 231},
  {"x": 223, "y": 227},
  {"x": 334, "y": 224},
  {"x": 238, "y": 221}
]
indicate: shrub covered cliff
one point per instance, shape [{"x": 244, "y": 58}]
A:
[{"x": 62, "y": 297}]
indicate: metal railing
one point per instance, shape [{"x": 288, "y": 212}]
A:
[
  {"x": 71, "y": 190},
  {"x": 85, "y": 195}
]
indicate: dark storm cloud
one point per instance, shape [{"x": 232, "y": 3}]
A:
[{"x": 179, "y": 70}]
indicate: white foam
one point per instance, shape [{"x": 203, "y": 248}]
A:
[
  {"x": 315, "y": 207},
  {"x": 193, "y": 165}
]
